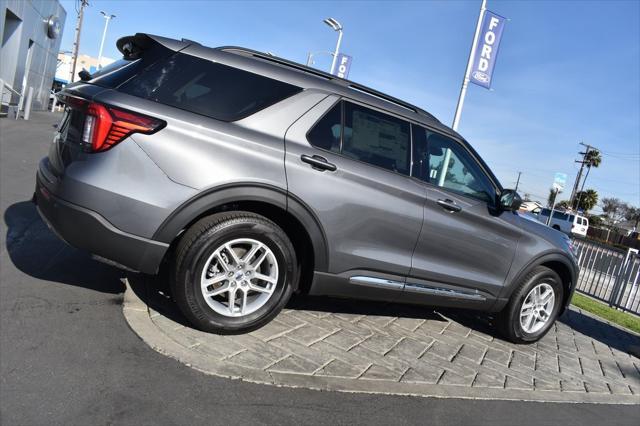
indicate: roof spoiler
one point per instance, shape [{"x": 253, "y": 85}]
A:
[{"x": 133, "y": 46}]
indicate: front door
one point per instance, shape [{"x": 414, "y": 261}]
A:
[
  {"x": 465, "y": 247},
  {"x": 350, "y": 164}
]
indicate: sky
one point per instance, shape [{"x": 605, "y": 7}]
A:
[{"x": 567, "y": 71}]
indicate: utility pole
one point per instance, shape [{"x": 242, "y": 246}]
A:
[
  {"x": 518, "y": 181},
  {"x": 582, "y": 162},
  {"x": 76, "y": 42}
]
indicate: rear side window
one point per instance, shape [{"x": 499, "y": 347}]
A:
[
  {"x": 376, "y": 138},
  {"x": 326, "y": 134},
  {"x": 208, "y": 88},
  {"x": 365, "y": 135}
]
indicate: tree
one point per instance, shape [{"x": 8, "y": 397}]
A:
[
  {"x": 632, "y": 214},
  {"x": 552, "y": 197},
  {"x": 563, "y": 205},
  {"x": 587, "y": 199},
  {"x": 592, "y": 159},
  {"x": 614, "y": 210},
  {"x": 595, "y": 221}
]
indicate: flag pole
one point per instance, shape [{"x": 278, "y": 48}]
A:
[{"x": 465, "y": 80}]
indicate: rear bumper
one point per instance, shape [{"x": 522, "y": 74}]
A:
[{"x": 87, "y": 230}]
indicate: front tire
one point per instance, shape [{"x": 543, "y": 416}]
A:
[
  {"x": 233, "y": 272},
  {"x": 533, "y": 307}
]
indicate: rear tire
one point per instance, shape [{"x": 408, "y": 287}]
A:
[
  {"x": 533, "y": 307},
  {"x": 233, "y": 272}
]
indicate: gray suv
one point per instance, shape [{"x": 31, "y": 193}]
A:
[{"x": 252, "y": 177}]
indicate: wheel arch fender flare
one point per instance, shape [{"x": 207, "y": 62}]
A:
[
  {"x": 208, "y": 201},
  {"x": 569, "y": 272}
]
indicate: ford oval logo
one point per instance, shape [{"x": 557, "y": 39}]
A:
[{"x": 480, "y": 76}]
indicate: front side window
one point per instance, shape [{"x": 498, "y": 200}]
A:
[
  {"x": 443, "y": 162},
  {"x": 207, "y": 88},
  {"x": 376, "y": 138}
]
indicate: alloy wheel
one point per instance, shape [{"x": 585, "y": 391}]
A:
[
  {"x": 239, "y": 277},
  {"x": 537, "y": 308}
]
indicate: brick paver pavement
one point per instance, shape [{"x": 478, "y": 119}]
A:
[{"x": 383, "y": 347}]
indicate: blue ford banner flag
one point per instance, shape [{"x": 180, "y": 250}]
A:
[
  {"x": 343, "y": 65},
  {"x": 486, "y": 49}
]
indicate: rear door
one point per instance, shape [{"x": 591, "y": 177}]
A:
[
  {"x": 355, "y": 179},
  {"x": 465, "y": 247}
]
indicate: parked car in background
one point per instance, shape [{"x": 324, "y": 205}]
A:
[
  {"x": 569, "y": 223},
  {"x": 252, "y": 177}
]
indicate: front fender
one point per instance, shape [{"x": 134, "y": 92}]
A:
[{"x": 554, "y": 257}]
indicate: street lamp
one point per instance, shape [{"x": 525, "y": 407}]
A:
[
  {"x": 107, "y": 18},
  {"x": 336, "y": 26},
  {"x": 311, "y": 55}
]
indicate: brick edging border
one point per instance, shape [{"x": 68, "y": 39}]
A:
[{"x": 136, "y": 314}]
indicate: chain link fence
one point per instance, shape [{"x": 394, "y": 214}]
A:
[{"x": 609, "y": 274}]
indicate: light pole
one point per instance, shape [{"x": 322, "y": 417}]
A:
[
  {"x": 336, "y": 26},
  {"x": 311, "y": 55},
  {"x": 107, "y": 18}
]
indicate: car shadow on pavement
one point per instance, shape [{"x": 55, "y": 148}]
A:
[
  {"x": 39, "y": 253},
  {"x": 155, "y": 292}
]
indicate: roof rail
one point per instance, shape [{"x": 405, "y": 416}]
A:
[
  {"x": 318, "y": 73},
  {"x": 186, "y": 40}
]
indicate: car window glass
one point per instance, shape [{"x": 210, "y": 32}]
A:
[
  {"x": 376, "y": 138},
  {"x": 446, "y": 163},
  {"x": 326, "y": 133},
  {"x": 560, "y": 216},
  {"x": 207, "y": 88}
]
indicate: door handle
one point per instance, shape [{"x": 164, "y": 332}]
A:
[
  {"x": 318, "y": 162},
  {"x": 449, "y": 205}
]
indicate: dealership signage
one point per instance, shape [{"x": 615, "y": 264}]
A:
[
  {"x": 559, "y": 181},
  {"x": 343, "y": 65},
  {"x": 486, "y": 49}
]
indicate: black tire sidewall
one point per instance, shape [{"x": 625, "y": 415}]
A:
[
  {"x": 538, "y": 276},
  {"x": 196, "y": 308}
]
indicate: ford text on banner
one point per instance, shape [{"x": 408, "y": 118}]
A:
[
  {"x": 486, "y": 49},
  {"x": 343, "y": 65}
]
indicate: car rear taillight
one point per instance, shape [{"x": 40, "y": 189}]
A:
[{"x": 106, "y": 126}]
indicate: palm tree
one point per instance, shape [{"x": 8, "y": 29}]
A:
[
  {"x": 587, "y": 199},
  {"x": 592, "y": 159}
]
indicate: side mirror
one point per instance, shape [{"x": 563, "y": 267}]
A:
[
  {"x": 510, "y": 200},
  {"x": 84, "y": 75}
]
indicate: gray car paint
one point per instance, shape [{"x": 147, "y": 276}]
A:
[{"x": 376, "y": 223}]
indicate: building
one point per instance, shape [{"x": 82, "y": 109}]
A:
[
  {"x": 30, "y": 32},
  {"x": 85, "y": 62}
]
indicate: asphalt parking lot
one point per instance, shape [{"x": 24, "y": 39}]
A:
[{"x": 67, "y": 355}]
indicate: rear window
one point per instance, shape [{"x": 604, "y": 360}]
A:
[
  {"x": 207, "y": 88},
  {"x": 123, "y": 70}
]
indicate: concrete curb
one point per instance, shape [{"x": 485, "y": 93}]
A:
[{"x": 138, "y": 317}]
